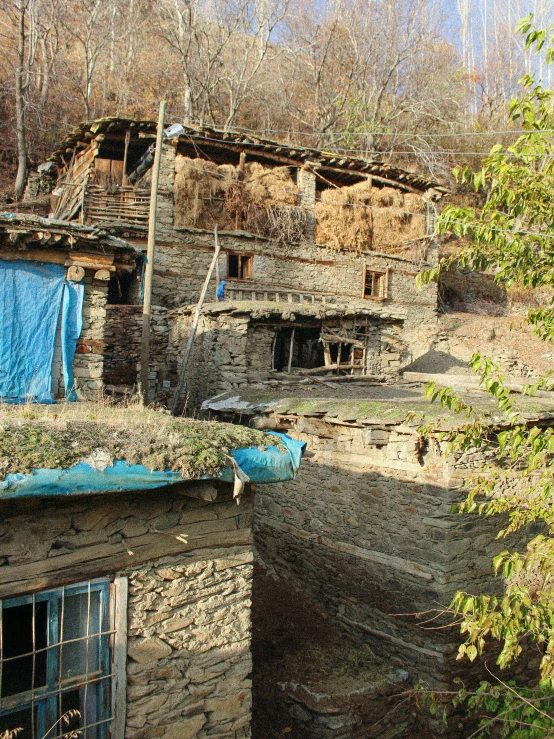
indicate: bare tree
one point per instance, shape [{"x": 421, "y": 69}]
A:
[{"x": 87, "y": 26}]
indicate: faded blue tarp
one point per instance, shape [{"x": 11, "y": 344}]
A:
[
  {"x": 270, "y": 465},
  {"x": 31, "y": 297}
]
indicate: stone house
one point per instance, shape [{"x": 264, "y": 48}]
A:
[
  {"x": 125, "y": 581},
  {"x": 55, "y": 281},
  {"x": 299, "y": 229}
]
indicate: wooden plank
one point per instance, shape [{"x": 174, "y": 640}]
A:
[
  {"x": 119, "y": 683},
  {"x": 36, "y": 255},
  {"x": 103, "y": 559},
  {"x": 88, "y": 265}
]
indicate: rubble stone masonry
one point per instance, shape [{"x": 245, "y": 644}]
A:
[
  {"x": 367, "y": 528},
  {"x": 189, "y": 567}
]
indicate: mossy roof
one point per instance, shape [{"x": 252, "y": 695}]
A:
[
  {"x": 60, "y": 436},
  {"x": 389, "y": 405}
]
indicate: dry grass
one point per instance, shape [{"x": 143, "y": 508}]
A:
[
  {"x": 362, "y": 217},
  {"x": 259, "y": 199},
  {"x": 59, "y": 436}
]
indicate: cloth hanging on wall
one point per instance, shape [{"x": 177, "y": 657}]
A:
[{"x": 31, "y": 297}]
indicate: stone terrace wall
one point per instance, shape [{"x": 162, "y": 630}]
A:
[
  {"x": 189, "y": 603},
  {"x": 367, "y": 528}
]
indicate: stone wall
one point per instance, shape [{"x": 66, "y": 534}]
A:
[
  {"x": 189, "y": 597},
  {"x": 122, "y": 347},
  {"x": 183, "y": 256},
  {"x": 88, "y": 364},
  {"x": 367, "y": 528},
  {"x": 189, "y": 648}
]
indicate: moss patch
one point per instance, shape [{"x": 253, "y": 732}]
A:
[{"x": 58, "y": 437}]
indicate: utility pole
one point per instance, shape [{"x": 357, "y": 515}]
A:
[{"x": 150, "y": 252}]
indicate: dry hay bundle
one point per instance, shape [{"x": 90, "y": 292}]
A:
[
  {"x": 286, "y": 224},
  {"x": 398, "y": 219},
  {"x": 342, "y": 221},
  {"x": 264, "y": 185},
  {"x": 200, "y": 191}
]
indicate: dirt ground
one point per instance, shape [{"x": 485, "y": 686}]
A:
[{"x": 293, "y": 642}]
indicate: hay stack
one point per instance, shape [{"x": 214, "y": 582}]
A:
[
  {"x": 266, "y": 186},
  {"x": 341, "y": 220},
  {"x": 206, "y": 194},
  {"x": 393, "y": 222},
  {"x": 200, "y": 189}
]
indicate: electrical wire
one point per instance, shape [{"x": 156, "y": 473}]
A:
[
  {"x": 380, "y": 153},
  {"x": 385, "y": 133}
]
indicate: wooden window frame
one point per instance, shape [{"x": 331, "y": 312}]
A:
[
  {"x": 45, "y": 700},
  {"x": 248, "y": 262},
  {"x": 382, "y": 276}
]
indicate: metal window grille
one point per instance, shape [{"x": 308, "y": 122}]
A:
[{"x": 55, "y": 658}]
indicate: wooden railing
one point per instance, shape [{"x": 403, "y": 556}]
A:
[
  {"x": 127, "y": 205},
  {"x": 235, "y": 293}
]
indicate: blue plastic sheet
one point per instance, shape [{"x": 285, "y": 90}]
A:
[
  {"x": 270, "y": 465},
  {"x": 31, "y": 297}
]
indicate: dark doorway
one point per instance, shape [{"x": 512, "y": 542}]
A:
[
  {"x": 307, "y": 349},
  {"x": 124, "y": 288}
]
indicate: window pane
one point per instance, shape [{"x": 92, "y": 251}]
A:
[
  {"x": 19, "y": 720},
  {"x": 233, "y": 266},
  {"x": 85, "y": 703},
  {"x": 82, "y": 656},
  {"x": 17, "y": 639}
]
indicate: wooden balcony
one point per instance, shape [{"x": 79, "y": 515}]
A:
[{"x": 249, "y": 292}]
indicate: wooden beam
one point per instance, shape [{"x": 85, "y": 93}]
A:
[
  {"x": 150, "y": 253},
  {"x": 194, "y": 326}
]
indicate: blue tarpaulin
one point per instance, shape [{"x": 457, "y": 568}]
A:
[
  {"x": 31, "y": 298},
  {"x": 270, "y": 465}
]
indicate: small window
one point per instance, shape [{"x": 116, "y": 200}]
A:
[
  {"x": 375, "y": 284},
  {"x": 55, "y": 659},
  {"x": 239, "y": 266}
]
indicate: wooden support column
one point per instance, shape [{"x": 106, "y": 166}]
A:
[
  {"x": 125, "y": 179},
  {"x": 147, "y": 304},
  {"x": 291, "y": 349},
  {"x": 195, "y": 320}
]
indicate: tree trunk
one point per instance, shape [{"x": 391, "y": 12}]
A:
[{"x": 21, "y": 176}]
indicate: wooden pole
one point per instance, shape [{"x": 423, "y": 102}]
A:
[
  {"x": 291, "y": 349},
  {"x": 216, "y": 267},
  {"x": 147, "y": 304},
  {"x": 196, "y": 318},
  {"x": 125, "y": 179}
]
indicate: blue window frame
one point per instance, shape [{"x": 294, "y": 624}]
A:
[{"x": 55, "y": 660}]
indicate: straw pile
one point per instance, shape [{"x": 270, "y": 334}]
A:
[
  {"x": 341, "y": 220},
  {"x": 394, "y": 222},
  {"x": 200, "y": 190},
  {"x": 269, "y": 186},
  {"x": 206, "y": 194},
  {"x": 385, "y": 223}
]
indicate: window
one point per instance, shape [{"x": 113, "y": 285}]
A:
[
  {"x": 55, "y": 658},
  {"x": 375, "y": 284},
  {"x": 239, "y": 266}
]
